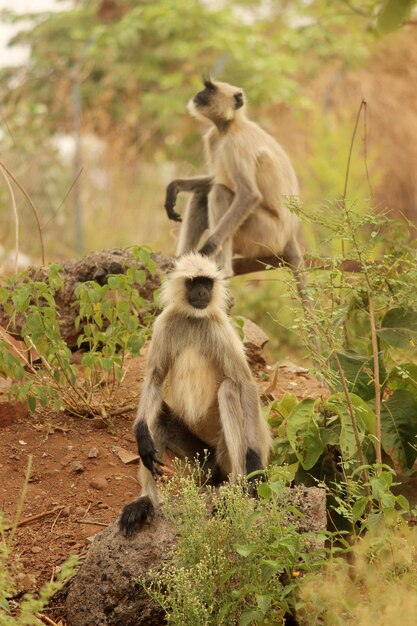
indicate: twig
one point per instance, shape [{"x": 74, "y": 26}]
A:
[
  {"x": 91, "y": 521},
  {"x": 87, "y": 510},
  {"x": 20, "y": 504},
  {"x": 377, "y": 381},
  {"x": 28, "y": 198},
  {"x": 354, "y": 423},
  {"x": 57, "y": 517},
  {"x": 32, "y": 518},
  {"x": 16, "y": 219},
  {"x": 46, "y": 619},
  {"x": 63, "y": 199},
  {"x": 122, "y": 409}
]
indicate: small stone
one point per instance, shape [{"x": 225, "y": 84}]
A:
[
  {"x": 93, "y": 453},
  {"x": 76, "y": 467},
  {"x": 91, "y": 538},
  {"x": 79, "y": 511},
  {"x": 65, "y": 512},
  {"x": 36, "y": 549},
  {"x": 126, "y": 456},
  {"x": 98, "y": 483},
  {"x": 102, "y": 505}
]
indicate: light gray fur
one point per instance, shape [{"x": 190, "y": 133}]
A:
[{"x": 184, "y": 340}]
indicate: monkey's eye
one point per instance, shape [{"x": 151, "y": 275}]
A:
[{"x": 238, "y": 97}]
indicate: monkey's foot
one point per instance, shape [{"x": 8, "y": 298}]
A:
[{"x": 135, "y": 515}]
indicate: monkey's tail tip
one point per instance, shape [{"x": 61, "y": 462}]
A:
[{"x": 135, "y": 515}]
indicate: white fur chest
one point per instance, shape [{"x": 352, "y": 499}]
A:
[{"x": 193, "y": 383}]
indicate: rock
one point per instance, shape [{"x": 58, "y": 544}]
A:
[
  {"x": 98, "y": 483},
  {"x": 93, "y": 453},
  {"x": 76, "y": 467},
  {"x": 254, "y": 340},
  {"x": 105, "y": 592},
  {"x": 126, "y": 456},
  {"x": 11, "y": 412}
]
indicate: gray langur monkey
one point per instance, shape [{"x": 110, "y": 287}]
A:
[
  {"x": 199, "y": 397},
  {"x": 243, "y": 202}
]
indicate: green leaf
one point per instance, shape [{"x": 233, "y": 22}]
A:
[
  {"x": 393, "y": 14},
  {"x": 358, "y": 371},
  {"x": 245, "y": 550},
  {"x": 263, "y": 602},
  {"x": 250, "y": 616},
  {"x": 31, "y": 403},
  {"x": 359, "y": 508},
  {"x": 304, "y": 434},
  {"x": 404, "y": 377},
  {"x": 399, "y": 328},
  {"x": 399, "y": 428}
]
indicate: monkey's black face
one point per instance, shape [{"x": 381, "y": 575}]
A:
[
  {"x": 199, "y": 291},
  {"x": 203, "y": 97}
]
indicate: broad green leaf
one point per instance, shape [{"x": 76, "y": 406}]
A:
[
  {"x": 358, "y": 371},
  {"x": 347, "y": 441},
  {"x": 263, "y": 602},
  {"x": 399, "y": 328},
  {"x": 304, "y": 434},
  {"x": 287, "y": 404},
  {"x": 359, "y": 508},
  {"x": 393, "y": 14},
  {"x": 399, "y": 428},
  {"x": 250, "y": 616}
]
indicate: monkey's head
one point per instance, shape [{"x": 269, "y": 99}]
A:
[
  {"x": 195, "y": 287},
  {"x": 218, "y": 102}
]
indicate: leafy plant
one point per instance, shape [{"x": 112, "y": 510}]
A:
[
  {"x": 377, "y": 584},
  {"x": 109, "y": 319},
  {"x": 239, "y": 564}
]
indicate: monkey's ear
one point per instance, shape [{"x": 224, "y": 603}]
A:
[
  {"x": 238, "y": 97},
  {"x": 207, "y": 82}
]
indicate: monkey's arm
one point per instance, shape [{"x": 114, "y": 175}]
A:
[
  {"x": 245, "y": 199},
  {"x": 199, "y": 184},
  {"x": 150, "y": 403}
]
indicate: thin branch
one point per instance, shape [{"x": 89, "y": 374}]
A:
[
  {"x": 35, "y": 212},
  {"x": 33, "y": 518},
  {"x": 365, "y": 148},
  {"x": 354, "y": 422},
  {"x": 74, "y": 182},
  {"x": 16, "y": 219},
  {"x": 377, "y": 381}
]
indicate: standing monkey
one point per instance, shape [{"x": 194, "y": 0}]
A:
[
  {"x": 199, "y": 397},
  {"x": 243, "y": 201}
]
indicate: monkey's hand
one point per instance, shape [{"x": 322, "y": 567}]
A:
[
  {"x": 209, "y": 248},
  {"x": 149, "y": 458},
  {"x": 170, "y": 200}
]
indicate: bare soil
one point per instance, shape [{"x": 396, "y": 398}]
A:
[{"x": 81, "y": 493}]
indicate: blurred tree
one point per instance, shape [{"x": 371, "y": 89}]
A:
[{"x": 139, "y": 62}]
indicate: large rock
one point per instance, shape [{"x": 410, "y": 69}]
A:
[{"x": 105, "y": 592}]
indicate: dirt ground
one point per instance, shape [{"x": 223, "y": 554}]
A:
[{"x": 78, "y": 478}]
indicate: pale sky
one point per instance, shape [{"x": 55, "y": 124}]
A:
[{"x": 17, "y": 55}]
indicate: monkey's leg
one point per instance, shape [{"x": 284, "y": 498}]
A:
[
  {"x": 233, "y": 426},
  {"x": 194, "y": 224},
  {"x": 168, "y": 432},
  {"x": 220, "y": 199},
  {"x": 142, "y": 510}
]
